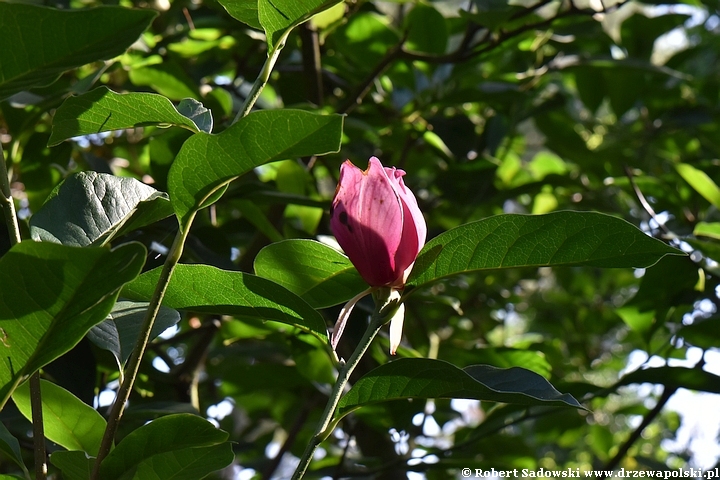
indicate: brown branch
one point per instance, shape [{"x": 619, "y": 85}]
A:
[
  {"x": 643, "y": 201},
  {"x": 635, "y": 435},
  {"x": 312, "y": 66},
  {"x": 297, "y": 425},
  {"x": 356, "y": 98}
]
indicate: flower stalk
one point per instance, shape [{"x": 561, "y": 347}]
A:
[{"x": 386, "y": 306}]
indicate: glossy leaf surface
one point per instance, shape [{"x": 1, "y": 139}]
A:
[
  {"x": 208, "y": 162},
  {"x": 319, "y": 274},
  {"x": 103, "y": 206},
  {"x": 103, "y": 110},
  {"x": 119, "y": 332},
  {"x": 145, "y": 449},
  {"x": 203, "y": 288},
  {"x": 555, "y": 239},
  {"x": 67, "y": 420},
  {"x": 83, "y": 36},
  {"x": 427, "y": 378}
]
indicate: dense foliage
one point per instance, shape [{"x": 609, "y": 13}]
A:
[{"x": 565, "y": 156}]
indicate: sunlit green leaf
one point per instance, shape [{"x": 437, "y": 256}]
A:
[
  {"x": 46, "y": 42},
  {"x": 555, "y": 239},
  {"x": 167, "y": 78},
  {"x": 208, "y": 162},
  {"x": 319, "y": 274},
  {"x": 203, "y": 288},
  {"x": 278, "y": 16},
  {"x": 103, "y": 110},
  {"x": 704, "y": 229},
  {"x": 700, "y": 182},
  {"x": 67, "y": 420}
]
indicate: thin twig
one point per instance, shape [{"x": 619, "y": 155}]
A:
[
  {"x": 643, "y": 201},
  {"x": 38, "y": 431},
  {"x": 291, "y": 437},
  {"x": 133, "y": 367},
  {"x": 8, "y": 207},
  {"x": 312, "y": 67},
  {"x": 8, "y": 204},
  {"x": 357, "y": 96},
  {"x": 635, "y": 435}
]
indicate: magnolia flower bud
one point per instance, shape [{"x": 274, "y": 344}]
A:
[{"x": 377, "y": 222}]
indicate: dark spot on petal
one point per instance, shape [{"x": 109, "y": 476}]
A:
[{"x": 344, "y": 220}]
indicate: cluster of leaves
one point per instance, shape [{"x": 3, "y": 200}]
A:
[{"x": 124, "y": 127}]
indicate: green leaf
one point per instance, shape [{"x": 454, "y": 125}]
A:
[
  {"x": 278, "y": 17},
  {"x": 704, "y": 229},
  {"x": 702, "y": 333},
  {"x": 172, "y": 433},
  {"x": 10, "y": 447},
  {"x": 245, "y": 11},
  {"x": 206, "y": 163},
  {"x": 427, "y": 30},
  {"x": 196, "y": 111},
  {"x": 505, "y": 357},
  {"x": 365, "y": 39},
  {"x": 491, "y": 13},
  {"x": 555, "y": 239},
  {"x": 50, "y": 296},
  {"x": 202, "y": 288},
  {"x": 675, "y": 377},
  {"x": 103, "y": 110},
  {"x": 74, "y": 465},
  {"x": 46, "y": 42},
  {"x": 102, "y": 207},
  {"x": 656, "y": 295},
  {"x": 185, "y": 464},
  {"x": 119, "y": 332},
  {"x": 255, "y": 215},
  {"x": 167, "y": 78},
  {"x": 700, "y": 182},
  {"x": 319, "y": 274},
  {"x": 66, "y": 419},
  {"x": 427, "y": 378}
]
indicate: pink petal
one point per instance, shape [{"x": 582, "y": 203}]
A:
[
  {"x": 367, "y": 220},
  {"x": 414, "y": 229}
]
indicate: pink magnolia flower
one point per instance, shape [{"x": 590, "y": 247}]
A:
[{"x": 377, "y": 222}]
